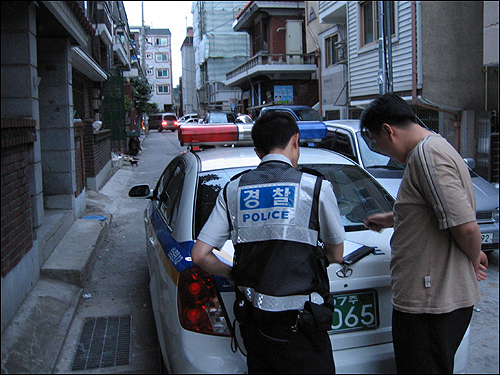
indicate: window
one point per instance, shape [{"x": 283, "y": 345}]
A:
[
  {"x": 170, "y": 189},
  {"x": 149, "y": 72},
  {"x": 163, "y": 89},
  {"x": 331, "y": 55},
  {"x": 161, "y": 41},
  {"x": 162, "y": 57},
  {"x": 162, "y": 73},
  {"x": 369, "y": 21},
  {"x": 149, "y": 55}
]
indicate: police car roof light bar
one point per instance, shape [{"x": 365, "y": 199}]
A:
[{"x": 239, "y": 134}]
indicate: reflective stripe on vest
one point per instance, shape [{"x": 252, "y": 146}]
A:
[{"x": 277, "y": 304}]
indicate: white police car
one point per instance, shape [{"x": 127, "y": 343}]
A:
[{"x": 193, "y": 309}]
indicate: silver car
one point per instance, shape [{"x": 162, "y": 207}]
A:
[{"x": 344, "y": 136}]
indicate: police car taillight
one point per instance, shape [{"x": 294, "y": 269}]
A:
[{"x": 199, "y": 303}]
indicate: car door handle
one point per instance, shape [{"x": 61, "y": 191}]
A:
[{"x": 153, "y": 241}]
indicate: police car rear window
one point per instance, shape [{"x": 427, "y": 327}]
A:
[
  {"x": 358, "y": 195},
  {"x": 209, "y": 185}
]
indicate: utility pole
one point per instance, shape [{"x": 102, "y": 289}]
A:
[
  {"x": 384, "y": 79},
  {"x": 143, "y": 64},
  {"x": 143, "y": 42}
]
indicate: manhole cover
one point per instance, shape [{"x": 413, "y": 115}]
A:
[{"x": 104, "y": 342}]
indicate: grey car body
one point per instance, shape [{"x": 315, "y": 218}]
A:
[{"x": 344, "y": 136}]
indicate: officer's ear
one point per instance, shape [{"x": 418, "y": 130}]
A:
[
  {"x": 259, "y": 153},
  {"x": 295, "y": 140}
]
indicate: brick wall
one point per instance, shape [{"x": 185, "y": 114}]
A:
[
  {"x": 17, "y": 138},
  {"x": 97, "y": 149}
]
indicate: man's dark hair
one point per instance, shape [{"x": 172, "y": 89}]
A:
[
  {"x": 388, "y": 108},
  {"x": 273, "y": 130}
]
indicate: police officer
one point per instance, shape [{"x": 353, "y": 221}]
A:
[{"x": 286, "y": 228}]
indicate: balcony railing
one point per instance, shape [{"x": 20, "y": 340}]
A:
[{"x": 271, "y": 59}]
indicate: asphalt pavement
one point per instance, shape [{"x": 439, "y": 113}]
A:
[{"x": 49, "y": 329}]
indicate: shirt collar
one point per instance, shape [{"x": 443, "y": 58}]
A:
[{"x": 276, "y": 157}]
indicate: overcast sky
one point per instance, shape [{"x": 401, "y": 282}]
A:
[{"x": 164, "y": 15}]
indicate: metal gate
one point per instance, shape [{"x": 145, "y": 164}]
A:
[
  {"x": 487, "y": 146},
  {"x": 114, "y": 109}
]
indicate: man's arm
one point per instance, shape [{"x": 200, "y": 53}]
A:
[
  {"x": 202, "y": 256},
  {"x": 334, "y": 253},
  {"x": 468, "y": 238}
]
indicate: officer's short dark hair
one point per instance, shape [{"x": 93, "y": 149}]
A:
[
  {"x": 388, "y": 108},
  {"x": 273, "y": 130}
]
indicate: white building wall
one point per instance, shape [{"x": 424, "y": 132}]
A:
[
  {"x": 363, "y": 61},
  {"x": 188, "y": 80},
  {"x": 153, "y": 67}
]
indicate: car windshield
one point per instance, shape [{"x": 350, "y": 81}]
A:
[
  {"x": 372, "y": 159},
  {"x": 357, "y": 194},
  {"x": 308, "y": 114},
  {"x": 221, "y": 118}
]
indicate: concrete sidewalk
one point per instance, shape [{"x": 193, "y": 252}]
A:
[{"x": 33, "y": 340}]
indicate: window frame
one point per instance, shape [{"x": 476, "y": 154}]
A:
[
  {"x": 330, "y": 51},
  {"x": 157, "y": 55},
  {"x": 162, "y": 93},
  {"x": 162, "y": 71},
  {"x": 159, "y": 40},
  {"x": 374, "y": 24}
]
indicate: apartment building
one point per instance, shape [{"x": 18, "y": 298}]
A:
[
  {"x": 278, "y": 71},
  {"x": 218, "y": 49},
  {"x": 158, "y": 67},
  {"x": 433, "y": 58}
]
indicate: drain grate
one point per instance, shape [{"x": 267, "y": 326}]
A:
[{"x": 104, "y": 342}]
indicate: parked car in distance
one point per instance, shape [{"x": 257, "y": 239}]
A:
[
  {"x": 299, "y": 112},
  {"x": 189, "y": 118},
  {"x": 163, "y": 121},
  {"x": 193, "y": 309},
  {"x": 219, "y": 117},
  {"x": 344, "y": 136},
  {"x": 305, "y": 116},
  {"x": 243, "y": 119}
]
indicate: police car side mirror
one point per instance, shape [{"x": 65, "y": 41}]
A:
[{"x": 140, "y": 191}]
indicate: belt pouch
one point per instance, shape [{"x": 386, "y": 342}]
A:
[
  {"x": 242, "y": 308},
  {"x": 314, "y": 321}
]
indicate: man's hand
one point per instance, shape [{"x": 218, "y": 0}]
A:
[
  {"x": 377, "y": 222},
  {"x": 480, "y": 266}
]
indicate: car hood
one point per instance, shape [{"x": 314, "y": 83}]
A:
[
  {"x": 486, "y": 195},
  {"x": 390, "y": 184}
]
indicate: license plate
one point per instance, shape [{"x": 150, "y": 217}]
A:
[
  {"x": 355, "y": 311},
  {"x": 486, "y": 237}
]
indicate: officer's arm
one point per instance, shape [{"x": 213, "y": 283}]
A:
[
  {"x": 334, "y": 253},
  {"x": 202, "y": 255}
]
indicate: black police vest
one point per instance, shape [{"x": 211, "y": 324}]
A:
[{"x": 273, "y": 212}]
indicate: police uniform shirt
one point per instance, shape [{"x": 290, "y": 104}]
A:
[{"x": 216, "y": 230}]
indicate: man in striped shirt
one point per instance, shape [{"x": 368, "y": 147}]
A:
[{"x": 436, "y": 246}]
